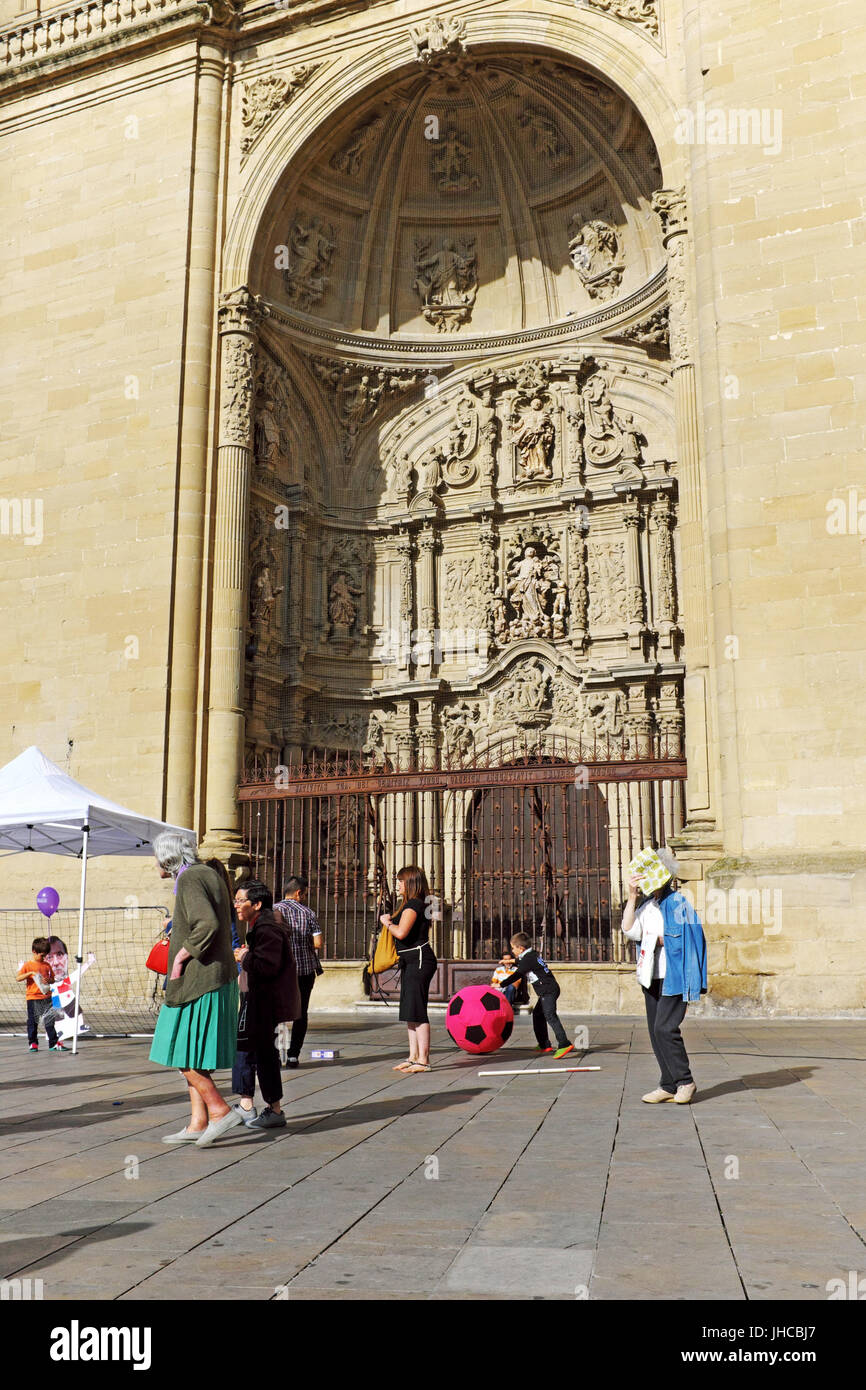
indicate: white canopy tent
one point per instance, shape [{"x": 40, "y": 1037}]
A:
[{"x": 44, "y": 811}]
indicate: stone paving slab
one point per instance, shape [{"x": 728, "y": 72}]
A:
[{"x": 447, "y": 1185}]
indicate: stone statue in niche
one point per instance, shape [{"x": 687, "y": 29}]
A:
[
  {"x": 446, "y": 281},
  {"x": 534, "y": 435},
  {"x": 449, "y": 160},
  {"x": 312, "y": 243},
  {"x": 342, "y": 609},
  {"x": 544, "y": 135},
  {"x": 428, "y": 471},
  {"x": 534, "y": 585},
  {"x": 270, "y": 444},
  {"x": 263, "y": 596},
  {"x": 596, "y": 255}
]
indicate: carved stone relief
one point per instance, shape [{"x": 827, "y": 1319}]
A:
[
  {"x": 534, "y": 585},
  {"x": 449, "y": 162},
  {"x": 271, "y": 447},
  {"x": 312, "y": 243},
  {"x": 669, "y": 204},
  {"x": 459, "y": 725},
  {"x": 525, "y": 697},
  {"x": 545, "y": 137},
  {"x": 446, "y": 281},
  {"x": 462, "y": 601},
  {"x": 346, "y": 581},
  {"x": 590, "y": 714},
  {"x": 236, "y": 395},
  {"x": 651, "y": 332},
  {"x": 607, "y": 584},
  {"x": 359, "y": 392},
  {"x": 264, "y": 587},
  {"x": 644, "y": 13},
  {"x": 436, "y": 39},
  {"x": 350, "y": 160},
  {"x": 268, "y": 94},
  {"x": 596, "y": 254}
]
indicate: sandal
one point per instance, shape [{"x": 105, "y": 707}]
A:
[
  {"x": 419, "y": 1066},
  {"x": 404, "y": 1066}
]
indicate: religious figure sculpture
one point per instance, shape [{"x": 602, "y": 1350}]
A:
[
  {"x": 435, "y": 36},
  {"x": 342, "y": 610},
  {"x": 528, "y": 591},
  {"x": 311, "y": 245},
  {"x": 595, "y": 253},
  {"x": 350, "y": 158},
  {"x": 446, "y": 282},
  {"x": 544, "y": 134},
  {"x": 449, "y": 160},
  {"x": 534, "y": 434}
]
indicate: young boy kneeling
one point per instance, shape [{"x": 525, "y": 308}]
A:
[{"x": 539, "y": 974}]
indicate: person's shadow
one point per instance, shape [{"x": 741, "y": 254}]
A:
[{"x": 756, "y": 1081}]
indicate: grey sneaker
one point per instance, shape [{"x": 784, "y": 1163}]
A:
[
  {"x": 269, "y": 1119},
  {"x": 246, "y": 1115},
  {"x": 217, "y": 1128},
  {"x": 183, "y": 1137}
]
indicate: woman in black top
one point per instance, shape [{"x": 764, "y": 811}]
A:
[{"x": 418, "y": 963}]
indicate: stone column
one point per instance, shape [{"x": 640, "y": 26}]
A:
[
  {"x": 426, "y": 597},
  {"x": 406, "y": 550},
  {"x": 182, "y": 732},
  {"x": 631, "y": 517},
  {"x": 701, "y": 828},
  {"x": 664, "y": 591},
  {"x": 239, "y": 316},
  {"x": 578, "y": 578}
]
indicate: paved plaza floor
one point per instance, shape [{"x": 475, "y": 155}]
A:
[{"x": 448, "y": 1185}]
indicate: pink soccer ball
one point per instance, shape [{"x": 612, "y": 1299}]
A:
[{"x": 479, "y": 1018}]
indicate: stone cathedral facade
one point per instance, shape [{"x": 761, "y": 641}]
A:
[{"x": 402, "y": 380}]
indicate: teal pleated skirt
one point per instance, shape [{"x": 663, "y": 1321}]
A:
[{"x": 201, "y": 1036}]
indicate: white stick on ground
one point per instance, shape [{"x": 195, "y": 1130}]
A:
[{"x": 540, "y": 1071}]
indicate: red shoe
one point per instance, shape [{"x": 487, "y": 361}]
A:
[
  {"x": 34, "y": 1047},
  {"x": 539, "y": 1050}
]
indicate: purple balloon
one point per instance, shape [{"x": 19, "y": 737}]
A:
[{"x": 48, "y": 901}]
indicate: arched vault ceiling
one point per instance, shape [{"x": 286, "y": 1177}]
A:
[{"x": 511, "y": 199}]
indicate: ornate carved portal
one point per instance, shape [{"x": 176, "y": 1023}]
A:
[{"x": 464, "y": 540}]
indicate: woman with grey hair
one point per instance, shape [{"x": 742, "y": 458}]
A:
[{"x": 196, "y": 1030}]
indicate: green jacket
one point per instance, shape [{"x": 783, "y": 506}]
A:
[{"x": 202, "y": 923}]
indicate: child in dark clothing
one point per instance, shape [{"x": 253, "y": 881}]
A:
[{"x": 538, "y": 973}]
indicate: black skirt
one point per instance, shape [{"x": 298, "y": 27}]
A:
[{"x": 417, "y": 968}]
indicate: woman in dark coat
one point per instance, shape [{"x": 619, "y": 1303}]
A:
[{"x": 269, "y": 997}]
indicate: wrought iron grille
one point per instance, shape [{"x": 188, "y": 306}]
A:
[{"x": 529, "y": 841}]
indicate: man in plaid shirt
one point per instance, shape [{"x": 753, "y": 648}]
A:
[{"x": 306, "y": 937}]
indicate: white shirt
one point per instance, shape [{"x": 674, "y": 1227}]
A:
[{"x": 649, "y": 922}]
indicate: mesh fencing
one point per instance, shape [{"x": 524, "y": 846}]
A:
[{"x": 118, "y": 994}]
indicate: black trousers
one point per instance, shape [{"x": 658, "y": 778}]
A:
[
  {"x": 35, "y": 1009},
  {"x": 299, "y": 1027},
  {"x": 264, "y": 1061},
  {"x": 545, "y": 1013},
  {"x": 664, "y": 1014}
]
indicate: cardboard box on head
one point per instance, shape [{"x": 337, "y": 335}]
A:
[{"x": 649, "y": 871}]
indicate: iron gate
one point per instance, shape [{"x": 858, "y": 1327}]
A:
[{"x": 528, "y": 842}]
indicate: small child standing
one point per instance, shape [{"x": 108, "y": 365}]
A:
[
  {"x": 39, "y": 976},
  {"x": 538, "y": 973}
]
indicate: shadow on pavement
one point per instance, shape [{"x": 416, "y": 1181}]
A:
[{"x": 756, "y": 1081}]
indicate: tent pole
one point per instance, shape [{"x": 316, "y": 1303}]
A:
[{"x": 80, "y": 955}]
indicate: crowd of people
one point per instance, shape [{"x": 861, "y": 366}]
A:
[{"x": 241, "y": 970}]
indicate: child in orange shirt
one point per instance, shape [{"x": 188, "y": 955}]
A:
[{"x": 39, "y": 975}]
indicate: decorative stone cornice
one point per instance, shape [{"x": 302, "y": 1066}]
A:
[
  {"x": 99, "y": 23},
  {"x": 669, "y": 204},
  {"x": 643, "y": 13}
]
